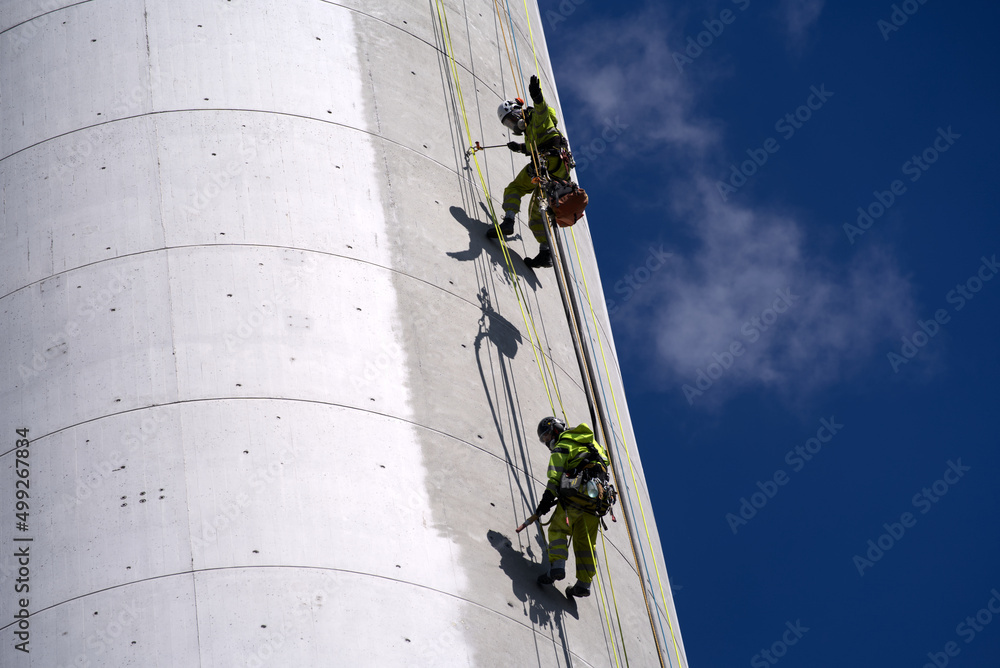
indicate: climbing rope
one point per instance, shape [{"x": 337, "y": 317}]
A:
[
  {"x": 540, "y": 172},
  {"x": 590, "y": 390},
  {"x": 529, "y": 323},
  {"x": 607, "y": 375},
  {"x": 545, "y": 371}
]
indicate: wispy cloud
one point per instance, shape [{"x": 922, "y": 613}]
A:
[
  {"x": 798, "y": 322},
  {"x": 630, "y": 73},
  {"x": 737, "y": 257},
  {"x": 799, "y": 17}
]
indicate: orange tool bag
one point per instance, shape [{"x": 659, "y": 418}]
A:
[{"x": 567, "y": 201}]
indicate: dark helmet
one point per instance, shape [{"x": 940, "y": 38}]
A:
[{"x": 547, "y": 425}]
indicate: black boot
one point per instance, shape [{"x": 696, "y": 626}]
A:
[
  {"x": 506, "y": 226},
  {"x": 543, "y": 259},
  {"x": 578, "y": 591},
  {"x": 550, "y": 577}
]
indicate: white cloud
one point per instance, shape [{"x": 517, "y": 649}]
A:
[
  {"x": 739, "y": 254},
  {"x": 815, "y": 322},
  {"x": 627, "y": 71}
]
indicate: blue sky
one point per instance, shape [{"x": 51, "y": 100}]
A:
[{"x": 744, "y": 158}]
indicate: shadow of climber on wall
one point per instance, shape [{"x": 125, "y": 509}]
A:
[
  {"x": 501, "y": 392},
  {"x": 498, "y": 329},
  {"x": 477, "y": 245},
  {"x": 544, "y": 607}
]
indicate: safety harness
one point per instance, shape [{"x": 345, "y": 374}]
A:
[
  {"x": 566, "y": 200},
  {"x": 587, "y": 485}
]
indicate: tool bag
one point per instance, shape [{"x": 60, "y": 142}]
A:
[{"x": 567, "y": 202}]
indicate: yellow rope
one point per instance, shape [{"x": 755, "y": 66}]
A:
[
  {"x": 534, "y": 53},
  {"x": 628, "y": 455},
  {"x": 531, "y": 36},
  {"x": 611, "y": 581},
  {"x": 536, "y": 161},
  {"x": 591, "y": 392},
  {"x": 515, "y": 281},
  {"x": 605, "y": 609},
  {"x": 534, "y": 338},
  {"x": 503, "y": 32},
  {"x": 614, "y": 399}
]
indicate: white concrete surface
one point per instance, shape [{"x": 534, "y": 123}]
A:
[{"x": 280, "y": 394}]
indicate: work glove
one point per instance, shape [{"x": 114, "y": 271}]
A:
[
  {"x": 535, "y": 89},
  {"x": 546, "y": 504},
  {"x": 515, "y": 146}
]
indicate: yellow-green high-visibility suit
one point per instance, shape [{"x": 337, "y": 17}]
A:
[
  {"x": 541, "y": 135},
  {"x": 575, "y": 515}
]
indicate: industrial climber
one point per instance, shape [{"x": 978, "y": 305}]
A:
[
  {"x": 578, "y": 487},
  {"x": 546, "y": 146}
]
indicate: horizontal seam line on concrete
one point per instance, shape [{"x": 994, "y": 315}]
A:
[
  {"x": 289, "y": 399},
  {"x": 433, "y": 46},
  {"x": 275, "y": 246},
  {"x": 328, "y": 2},
  {"x": 277, "y": 566},
  {"x": 51, "y": 11},
  {"x": 163, "y": 112},
  {"x": 307, "y": 401}
]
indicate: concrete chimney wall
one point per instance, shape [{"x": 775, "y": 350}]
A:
[{"x": 280, "y": 397}]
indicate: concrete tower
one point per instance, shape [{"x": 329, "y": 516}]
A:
[{"x": 279, "y": 393}]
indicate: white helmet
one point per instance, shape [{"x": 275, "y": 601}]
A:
[{"x": 509, "y": 113}]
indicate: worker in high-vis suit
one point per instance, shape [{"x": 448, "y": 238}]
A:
[
  {"x": 578, "y": 488},
  {"x": 547, "y": 147}
]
